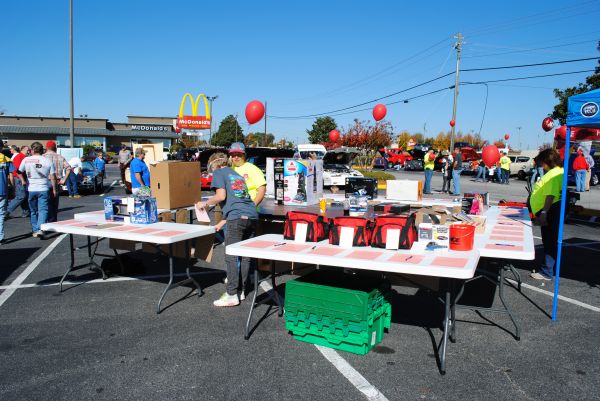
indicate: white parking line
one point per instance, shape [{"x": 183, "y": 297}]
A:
[
  {"x": 109, "y": 187},
  {"x": 36, "y": 262},
  {"x": 351, "y": 374},
  {"x": 561, "y": 297}
]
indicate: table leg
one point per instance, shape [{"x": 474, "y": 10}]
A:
[
  {"x": 252, "y": 305},
  {"x": 72, "y": 253},
  {"x": 453, "y": 311},
  {"x": 187, "y": 269},
  {"x": 516, "y": 274},
  {"x": 91, "y": 255},
  {"x": 508, "y": 311},
  {"x": 168, "y": 287},
  {"x": 276, "y": 297},
  {"x": 446, "y": 329}
]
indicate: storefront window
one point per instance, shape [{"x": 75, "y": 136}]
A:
[{"x": 80, "y": 141}]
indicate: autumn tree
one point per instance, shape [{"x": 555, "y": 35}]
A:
[
  {"x": 254, "y": 139},
  {"x": 368, "y": 138}
]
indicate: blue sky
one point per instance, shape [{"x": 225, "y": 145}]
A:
[{"x": 139, "y": 58}]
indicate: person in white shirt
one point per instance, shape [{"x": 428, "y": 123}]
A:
[
  {"x": 39, "y": 174},
  {"x": 73, "y": 178}
]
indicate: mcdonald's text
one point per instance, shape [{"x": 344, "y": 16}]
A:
[{"x": 193, "y": 122}]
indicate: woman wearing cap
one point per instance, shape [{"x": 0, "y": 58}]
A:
[
  {"x": 255, "y": 179},
  {"x": 545, "y": 204},
  {"x": 239, "y": 212}
]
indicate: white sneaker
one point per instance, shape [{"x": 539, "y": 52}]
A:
[
  {"x": 227, "y": 300},
  {"x": 243, "y": 294},
  {"x": 539, "y": 276}
]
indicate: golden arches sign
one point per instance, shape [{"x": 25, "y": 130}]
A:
[{"x": 194, "y": 121}]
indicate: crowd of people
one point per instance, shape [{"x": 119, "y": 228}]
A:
[{"x": 31, "y": 180}]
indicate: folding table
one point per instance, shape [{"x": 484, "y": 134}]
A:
[
  {"x": 94, "y": 226},
  {"x": 448, "y": 265}
]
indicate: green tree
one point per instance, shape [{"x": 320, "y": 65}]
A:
[
  {"x": 229, "y": 131},
  {"x": 319, "y": 133},
  {"x": 560, "y": 110},
  {"x": 259, "y": 139}
]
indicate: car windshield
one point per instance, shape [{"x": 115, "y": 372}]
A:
[
  {"x": 305, "y": 154},
  {"x": 87, "y": 167}
]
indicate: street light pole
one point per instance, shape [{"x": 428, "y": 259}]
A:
[
  {"x": 72, "y": 117},
  {"x": 211, "y": 99},
  {"x": 520, "y": 145}
]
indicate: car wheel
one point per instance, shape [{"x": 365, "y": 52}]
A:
[
  {"x": 594, "y": 180},
  {"x": 521, "y": 175}
]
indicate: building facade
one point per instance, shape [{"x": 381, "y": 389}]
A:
[{"x": 100, "y": 132}]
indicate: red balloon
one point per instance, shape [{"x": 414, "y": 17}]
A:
[
  {"x": 490, "y": 155},
  {"x": 255, "y": 111},
  {"x": 177, "y": 130},
  {"x": 547, "y": 124},
  {"x": 334, "y": 135},
  {"x": 506, "y": 137},
  {"x": 379, "y": 112},
  {"x": 452, "y": 123}
]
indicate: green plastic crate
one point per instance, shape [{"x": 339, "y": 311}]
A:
[
  {"x": 340, "y": 311},
  {"x": 359, "y": 344},
  {"x": 338, "y": 296},
  {"x": 313, "y": 322}
]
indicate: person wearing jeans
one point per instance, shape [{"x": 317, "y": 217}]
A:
[
  {"x": 6, "y": 168},
  {"x": 428, "y": 165},
  {"x": 580, "y": 166},
  {"x": 241, "y": 217},
  {"x": 38, "y": 205},
  {"x": 72, "y": 180},
  {"x": 21, "y": 194},
  {"x": 38, "y": 172},
  {"x": 456, "y": 170}
]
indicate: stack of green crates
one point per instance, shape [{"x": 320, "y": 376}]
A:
[{"x": 338, "y": 310}]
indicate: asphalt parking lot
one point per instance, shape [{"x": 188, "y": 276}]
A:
[{"x": 103, "y": 340}]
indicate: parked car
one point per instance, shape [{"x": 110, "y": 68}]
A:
[
  {"x": 92, "y": 179},
  {"x": 337, "y": 166},
  {"x": 391, "y": 157}
]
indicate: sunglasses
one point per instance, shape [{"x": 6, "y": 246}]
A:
[{"x": 236, "y": 154}]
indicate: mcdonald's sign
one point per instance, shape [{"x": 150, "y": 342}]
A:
[{"x": 194, "y": 121}]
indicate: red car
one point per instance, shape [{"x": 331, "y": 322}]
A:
[{"x": 392, "y": 156}]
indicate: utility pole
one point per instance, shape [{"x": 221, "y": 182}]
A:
[
  {"x": 520, "y": 145},
  {"x": 265, "y": 138},
  {"x": 457, "y": 46},
  {"x": 72, "y": 117},
  {"x": 236, "y": 127},
  {"x": 211, "y": 99}
]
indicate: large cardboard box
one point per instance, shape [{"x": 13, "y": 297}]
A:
[
  {"x": 175, "y": 184},
  {"x": 408, "y": 190}
]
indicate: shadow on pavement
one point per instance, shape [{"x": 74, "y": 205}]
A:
[{"x": 12, "y": 259}]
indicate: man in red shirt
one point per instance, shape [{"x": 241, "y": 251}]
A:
[
  {"x": 21, "y": 195},
  {"x": 580, "y": 167}
]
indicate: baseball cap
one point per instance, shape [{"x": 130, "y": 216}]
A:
[
  {"x": 237, "y": 147},
  {"x": 51, "y": 145}
]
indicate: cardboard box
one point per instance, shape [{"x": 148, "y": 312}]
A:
[
  {"x": 407, "y": 190},
  {"x": 302, "y": 182},
  {"x": 438, "y": 233},
  {"x": 275, "y": 179},
  {"x": 480, "y": 223},
  {"x": 154, "y": 152},
  {"x": 175, "y": 184}
]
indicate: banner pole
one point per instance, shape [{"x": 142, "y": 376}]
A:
[{"x": 561, "y": 224}]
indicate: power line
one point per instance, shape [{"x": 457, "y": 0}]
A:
[
  {"x": 430, "y": 81},
  {"x": 522, "y": 78},
  {"x": 370, "y": 101},
  {"x": 522, "y": 50},
  {"x": 530, "y": 65}
]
